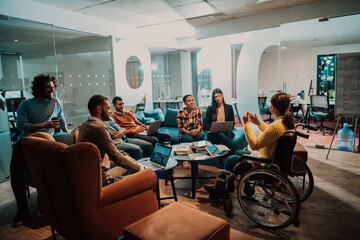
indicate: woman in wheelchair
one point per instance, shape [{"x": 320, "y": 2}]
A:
[{"x": 266, "y": 142}]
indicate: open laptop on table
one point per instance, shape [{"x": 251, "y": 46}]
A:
[
  {"x": 226, "y": 126},
  {"x": 158, "y": 158}
]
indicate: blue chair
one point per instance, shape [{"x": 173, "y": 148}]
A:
[{"x": 265, "y": 109}]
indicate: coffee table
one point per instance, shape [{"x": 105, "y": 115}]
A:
[
  {"x": 194, "y": 167},
  {"x": 165, "y": 173}
]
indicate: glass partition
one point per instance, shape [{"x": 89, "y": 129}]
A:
[
  {"x": 84, "y": 68},
  {"x": 167, "y": 69}
]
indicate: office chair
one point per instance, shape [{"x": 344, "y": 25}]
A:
[
  {"x": 265, "y": 109},
  {"x": 296, "y": 109},
  {"x": 319, "y": 109}
]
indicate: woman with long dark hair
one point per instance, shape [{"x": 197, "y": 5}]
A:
[
  {"x": 219, "y": 111},
  {"x": 266, "y": 142}
]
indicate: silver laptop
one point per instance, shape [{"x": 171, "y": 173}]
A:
[
  {"x": 153, "y": 128},
  {"x": 226, "y": 126},
  {"x": 158, "y": 158}
]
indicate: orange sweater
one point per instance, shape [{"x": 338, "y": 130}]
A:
[{"x": 126, "y": 121}]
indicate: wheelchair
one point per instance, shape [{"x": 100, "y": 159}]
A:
[{"x": 271, "y": 191}]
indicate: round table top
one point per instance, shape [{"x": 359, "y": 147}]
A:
[
  {"x": 204, "y": 158},
  {"x": 170, "y": 164}
]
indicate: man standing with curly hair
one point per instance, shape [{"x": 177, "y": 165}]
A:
[{"x": 42, "y": 113}]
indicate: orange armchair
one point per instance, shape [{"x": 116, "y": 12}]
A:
[{"x": 68, "y": 181}]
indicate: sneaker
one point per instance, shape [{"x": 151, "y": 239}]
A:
[
  {"x": 19, "y": 219},
  {"x": 214, "y": 192}
]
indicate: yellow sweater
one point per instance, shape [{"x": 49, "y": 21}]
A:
[{"x": 267, "y": 140}]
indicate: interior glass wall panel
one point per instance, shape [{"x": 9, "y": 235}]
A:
[
  {"x": 84, "y": 68},
  {"x": 310, "y": 52},
  {"x": 26, "y": 49},
  {"x": 167, "y": 80}
]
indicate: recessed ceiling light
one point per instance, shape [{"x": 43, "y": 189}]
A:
[
  {"x": 262, "y": 1},
  {"x": 16, "y": 40}
]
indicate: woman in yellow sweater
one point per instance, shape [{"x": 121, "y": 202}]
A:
[{"x": 266, "y": 142}]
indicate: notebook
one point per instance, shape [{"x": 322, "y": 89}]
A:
[
  {"x": 158, "y": 158},
  {"x": 226, "y": 126},
  {"x": 212, "y": 150}
]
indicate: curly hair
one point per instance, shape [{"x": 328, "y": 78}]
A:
[{"x": 39, "y": 83}]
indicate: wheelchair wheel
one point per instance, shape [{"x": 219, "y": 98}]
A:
[
  {"x": 302, "y": 178},
  {"x": 268, "y": 198}
]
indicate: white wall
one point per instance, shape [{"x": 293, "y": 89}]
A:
[{"x": 298, "y": 68}]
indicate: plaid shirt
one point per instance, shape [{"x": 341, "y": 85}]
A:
[{"x": 183, "y": 119}]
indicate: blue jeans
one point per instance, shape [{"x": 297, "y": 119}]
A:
[
  {"x": 135, "y": 146},
  {"x": 223, "y": 138},
  {"x": 189, "y": 138}
]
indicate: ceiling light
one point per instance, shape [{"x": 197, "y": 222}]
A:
[
  {"x": 16, "y": 40},
  {"x": 262, "y": 1},
  {"x": 283, "y": 48},
  {"x": 324, "y": 19}
]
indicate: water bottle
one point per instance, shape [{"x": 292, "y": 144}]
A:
[{"x": 345, "y": 138}]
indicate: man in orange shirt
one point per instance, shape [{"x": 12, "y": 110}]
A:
[{"x": 133, "y": 126}]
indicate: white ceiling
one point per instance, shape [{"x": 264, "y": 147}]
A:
[{"x": 144, "y": 13}]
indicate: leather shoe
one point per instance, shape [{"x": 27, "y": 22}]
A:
[
  {"x": 214, "y": 192},
  {"x": 19, "y": 219}
]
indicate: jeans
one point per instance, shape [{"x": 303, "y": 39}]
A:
[
  {"x": 135, "y": 146},
  {"x": 18, "y": 185},
  {"x": 154, "y": 138},
  {"x": 189, "y": 138},
  {"x": 223, "y": 138}
]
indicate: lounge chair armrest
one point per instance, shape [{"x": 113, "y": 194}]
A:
[{"x": 132, "y": 185}]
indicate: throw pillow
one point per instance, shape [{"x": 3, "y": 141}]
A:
[
  {"x": 156, "y": 114},
  {"x": 170, "y": 117}
]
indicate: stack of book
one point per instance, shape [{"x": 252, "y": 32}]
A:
[
  {"x": 200, "y": 146},
  {"x": 182, "y": 150}
]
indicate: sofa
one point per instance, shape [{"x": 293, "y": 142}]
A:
[{"x": 169, "y": 125}]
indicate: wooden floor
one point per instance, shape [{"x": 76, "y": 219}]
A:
[{"x": 331, "y": 212}]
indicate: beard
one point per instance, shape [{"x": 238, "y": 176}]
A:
[
  {"x": 104, "y": 116},
  {"x": 47, "y": 96}
]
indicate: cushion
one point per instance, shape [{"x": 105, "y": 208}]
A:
[
  {"x": 156, "y": 114},
  {"x": 178, "y": 221},
  {"x": 142, "y": 118},
  {"x": 170, "y": 118},
  {"x": 173, "y": 132}
]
